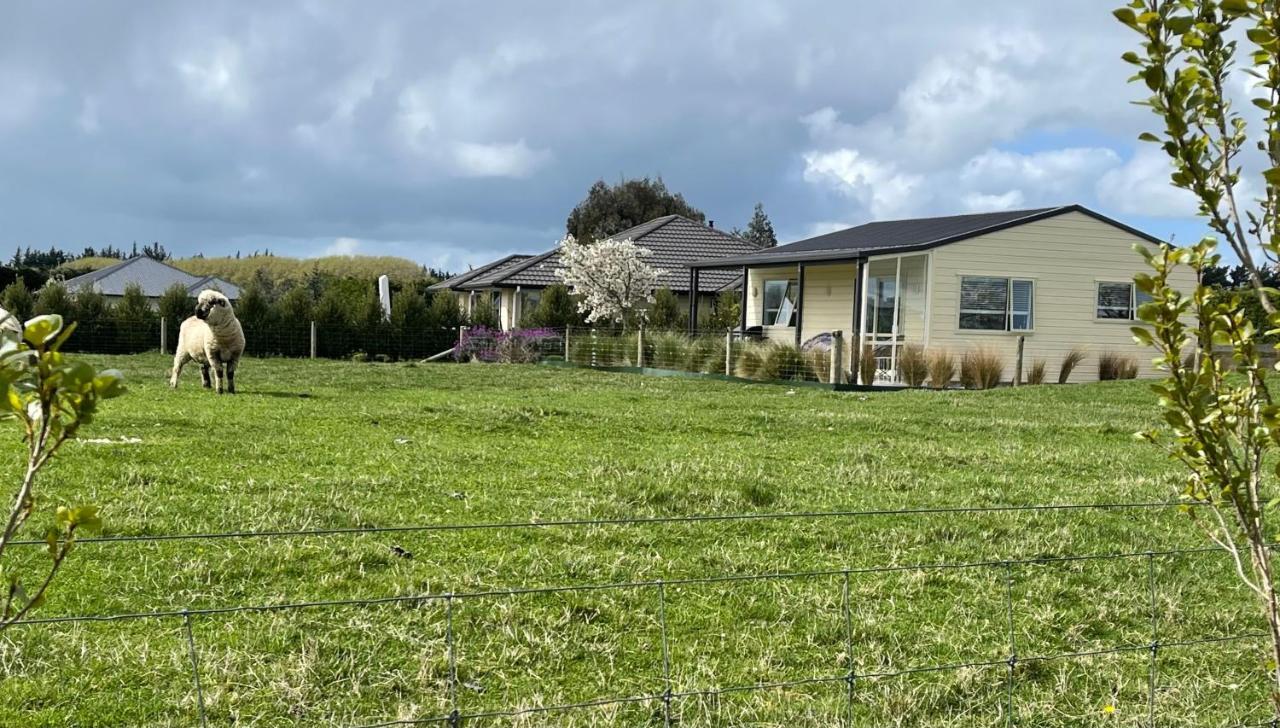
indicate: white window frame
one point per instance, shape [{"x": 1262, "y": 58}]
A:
[
  {"x": 1008, "y": 309},
  {"x": 1134, "y": 303},
  {"x": 792, "y": 284}
]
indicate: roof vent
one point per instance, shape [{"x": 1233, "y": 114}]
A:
[{"x": 711, "y": 224}]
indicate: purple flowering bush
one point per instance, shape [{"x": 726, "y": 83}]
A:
[{"x": 523, "y": 346}]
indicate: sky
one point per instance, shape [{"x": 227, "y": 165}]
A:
[{"x": 451, "y": 133}]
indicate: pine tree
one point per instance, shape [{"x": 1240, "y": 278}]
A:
[{"x": 760, "y": 230}]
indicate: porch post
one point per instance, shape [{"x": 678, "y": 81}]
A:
[
  {"x": 742, "y": 312},
  {"x": 799, "y": 301},
  {"x": 516, "y": 312},
  {"x": 693, "y": 300},
  {"x": 859, "y": 284}
]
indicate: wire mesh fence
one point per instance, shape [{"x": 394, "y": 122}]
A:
[{"x": 700, "y": 650}]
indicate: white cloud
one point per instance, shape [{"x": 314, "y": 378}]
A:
[
  {"x": 978, "y": 202},
  {"x": 215, "y": 76},
  {"x": 1141, "y": 187},
  {"x": 342, "y": 246},
  {"x": 879, "y": 186},
  {"x": 498, "y": 160}
]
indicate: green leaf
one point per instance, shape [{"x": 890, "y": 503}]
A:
[
  {"x": 39, "y": 329},
  {"x": 1147, "y": 136},
  {"x": 1235, "y": 7},
  {"x": 1126, "y": 16}
]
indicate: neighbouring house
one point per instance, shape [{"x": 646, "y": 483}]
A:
[
  {"x": 515, "y": 283},
  {"x": 1061, "y": 278},
  {"x": 154, "y": 276}
]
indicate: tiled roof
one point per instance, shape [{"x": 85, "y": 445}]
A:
[
  {"x": 902, "y": 235},
  {"x": 493, "y": 272},
  {"x": 674, "y": 242},
  {"x": 458, "y": 280},
  {"x": 153, "y": 275}
]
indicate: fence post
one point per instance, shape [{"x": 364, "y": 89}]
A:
[
  {"x": 1017, "y": 370},
  {"x": 640, "y": 347},
  {"x": 728, "y": 353},
  {"x": 593, "y": 347},
  {"x": 313, "y": 339},
  {"x": 837, "y": 356},
  {"x": 567, "y": 329},
  {"x": 164, "y": 336}
]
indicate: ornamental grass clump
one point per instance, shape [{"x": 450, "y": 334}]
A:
[
  {"x": 669, "y": 349},
  {"x": 867, "y": 365},
  {"x": 749, "y": 361},
  {"x": 1069, "y": 363},
  {"x": 912, "y": 365},
  {"x": 1113, "y": 366},
  {"x": 697, "y": 352},
  {"x": 785, "y": 362},
  {"x": 981, "y": 368},
  {"x": 942, "y": 368},
  {"x": 1035, "y": 375}
]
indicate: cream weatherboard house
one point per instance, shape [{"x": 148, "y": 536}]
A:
[{"x": 1061, "y": 278}]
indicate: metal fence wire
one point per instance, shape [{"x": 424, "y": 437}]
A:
[{"x": 667, "y": 700}]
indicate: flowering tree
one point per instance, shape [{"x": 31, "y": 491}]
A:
[{"x": 610, "y": 277}]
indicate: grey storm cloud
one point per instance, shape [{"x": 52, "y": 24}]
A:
[{"x": 450, "y": 132}]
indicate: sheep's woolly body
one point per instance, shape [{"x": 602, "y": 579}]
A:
[
  {"x": 214, "y": 339},
  {"x": 9, "y": 322}
]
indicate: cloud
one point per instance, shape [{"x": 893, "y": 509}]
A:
[
  {"x": 342, "y": 246},
  {"x": 1141, "y": 186},
  {"x": 882, "y": 189},
  {"x": 498, "y": 160}
]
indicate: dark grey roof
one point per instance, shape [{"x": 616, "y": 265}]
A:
[
  {"x": 674, "y": 242},
  {"x": 493, "y": 273},
  {"x": 891, "y": 236},
  {"x": 458, "y": 280},
  {"x": 154, "y": 276}
]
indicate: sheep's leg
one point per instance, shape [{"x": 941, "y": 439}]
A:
[
  {"x": 204, "y": 376},
  {"x": 179, "y": 360},
  {"x": 231, "y": 377},
  {"x": 211, "y": 360}
]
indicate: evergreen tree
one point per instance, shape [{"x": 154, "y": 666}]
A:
[
  {"x": 254, "y": 308},
  {"x": 727, "y": 312},
  {"x": 610, "y": 209},
  {"x": 483, "y": 312},
  {"x": 444, "y": 311},
  {"x": 556, "y": 309},
  {"x": 760, "y": 230},
  {"x": 294, "y": 308},
  {"x": 133, "y": 308},
  {"x": 408, "y": 311},
  {"x": 53, "y": 298},
  {"x": 90, "y": 305},
  {"x": 17, "y": 300},
  {"x": 665, "y": 313},
  {"x": 176, "y": 305}
]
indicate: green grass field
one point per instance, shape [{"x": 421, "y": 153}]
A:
[{"x": 310, "y": 445}]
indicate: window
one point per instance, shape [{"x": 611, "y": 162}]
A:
[
  {"x": 1119, "y": 301},
  {"x": 996, "y": 304},
  {"x": 780, "y": 303}
]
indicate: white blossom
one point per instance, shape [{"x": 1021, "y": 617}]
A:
[{"x": 610, "y": 277}]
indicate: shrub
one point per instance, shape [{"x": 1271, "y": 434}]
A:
[
  {"x": 1035, "y": 375},
  {"x": 1113, "y": 366},
  {"x": 784, "y": 362},
  {"x": 726, "y": 312},
  {"x": 668, "y": 349},
  {"x": 942, "y": 368},
  {"x": 749, "y": 361},
  {"x": 867, "y": 365},
  {"x": 912, "y": 366},
  {"x": 819, "y": 361},
  {"x": 981, "y": 368},
  {"x": 17, "y": 300},
  {"x": 1069, "y": 363},
  {"x": 713, "y": 362},
  {"x": 484, "y": 313},
  {"x": 698, "y": 351},
  {"x": 665, "y": 313}
]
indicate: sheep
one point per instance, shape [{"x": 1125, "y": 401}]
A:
[{"x": 212, "y": 337}]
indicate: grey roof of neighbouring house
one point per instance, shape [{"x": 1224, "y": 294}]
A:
[
  {"x": 896, "y": 236},
  {"x": 493, "y": 272},
  {"x": 154, "y": 276},
  {"x": 673, "y": 241},
  {"x": 454, "y": 282}
]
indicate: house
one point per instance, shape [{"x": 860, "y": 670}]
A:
[
  {"x": 515, "y": 283},
  {"x": 154, "y": 276},
  {"x": 1059, "y": 278}
]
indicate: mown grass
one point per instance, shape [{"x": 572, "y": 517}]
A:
[{"x": 329, "y": 444}]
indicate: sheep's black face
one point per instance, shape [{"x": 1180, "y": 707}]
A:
[
  {"x": 210, "y": 307},
  {"x": 202, "y": 311}
]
